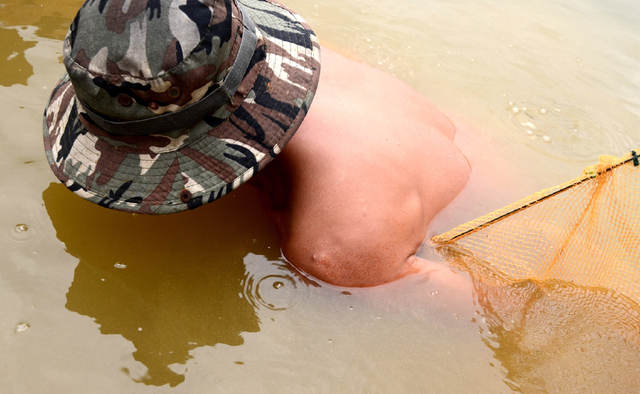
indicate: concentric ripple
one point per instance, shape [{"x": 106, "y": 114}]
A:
[
  {"x": 276, "y": 291},
  {"x": 22, "y": 233}
]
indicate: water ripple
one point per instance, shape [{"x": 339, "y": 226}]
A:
[{"x": 275, "y": 291}]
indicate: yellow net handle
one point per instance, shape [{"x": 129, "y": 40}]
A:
[{"x": 605, "y": 163}]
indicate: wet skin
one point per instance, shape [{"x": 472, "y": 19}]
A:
[{"x": 353, "y": 192}]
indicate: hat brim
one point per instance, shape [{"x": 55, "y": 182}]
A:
[{"x": 160, "y": 174}]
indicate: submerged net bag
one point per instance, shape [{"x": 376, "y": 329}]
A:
[
  {"x": 585, "y": 232},
  {"x": 557, "y": 275}
]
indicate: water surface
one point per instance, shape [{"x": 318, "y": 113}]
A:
[{"x": 102, "y": 301}]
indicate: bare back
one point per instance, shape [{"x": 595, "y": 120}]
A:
[{"x": 372, "y": 164}]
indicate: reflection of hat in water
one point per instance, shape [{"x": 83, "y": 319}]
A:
[{"x": 171, "y": 104}]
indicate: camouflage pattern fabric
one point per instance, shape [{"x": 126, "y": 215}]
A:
[{"x": 135, "y": 59}]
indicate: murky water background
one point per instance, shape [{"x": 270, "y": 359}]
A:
[{"x": 100, "y": 301}]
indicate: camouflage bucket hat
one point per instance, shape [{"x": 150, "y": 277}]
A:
[{"x": 171, "y": 104}]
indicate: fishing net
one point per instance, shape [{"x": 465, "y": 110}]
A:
[{"x": 585, "y": 232}]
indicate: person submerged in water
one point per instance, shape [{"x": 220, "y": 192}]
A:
[
  {"x": 353, "y": 192},
  {"x": 169, "y": 105}
]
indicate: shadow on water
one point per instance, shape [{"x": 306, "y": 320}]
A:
[
  {"x": 51, "y": 20},
  {"x": 51, "y": 17},
  {"x": 168, "y": 284},
  {"x": 15, "y": 67}
]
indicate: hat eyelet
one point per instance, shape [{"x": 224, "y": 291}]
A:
[
  {"x": 185, "y": 196},
  {"x": 125, "y": 100},
  {"x": 174, "y": 92},
  {"x": 153, "y": 105}
]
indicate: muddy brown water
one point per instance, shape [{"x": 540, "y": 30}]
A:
[{"x": 95, "y": 301}]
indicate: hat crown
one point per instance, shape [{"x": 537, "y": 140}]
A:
[{"x": 134, "y": 59}]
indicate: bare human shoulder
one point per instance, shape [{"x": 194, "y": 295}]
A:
[{"x": 353, "y": 192}]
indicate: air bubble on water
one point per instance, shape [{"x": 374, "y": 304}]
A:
[
  {"x": 350, "y": 308},
  {"x": 515, "y": 110},
  {"x": 120, "y": 266},
  {"x": 139, "y": 328},
  {"x": 546, "y": 138},
  {"x": 542, "y": 111},
  {"x": 22, "y": 327},
  {"x": 277, "y": 285},
  {"x": 434, "y": 293},
  {"x": 529, "y": 125},
  {"x": 529, "y": 132},
  {"x": 511, "y": 103},
  {"x": 21, "y": 228},
  {"x": 368, "y": 40}
]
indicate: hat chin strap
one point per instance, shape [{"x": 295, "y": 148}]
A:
[{"x": 185, "y": 117}]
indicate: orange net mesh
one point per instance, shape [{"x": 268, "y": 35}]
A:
[{"x": 585, "y": 231}]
